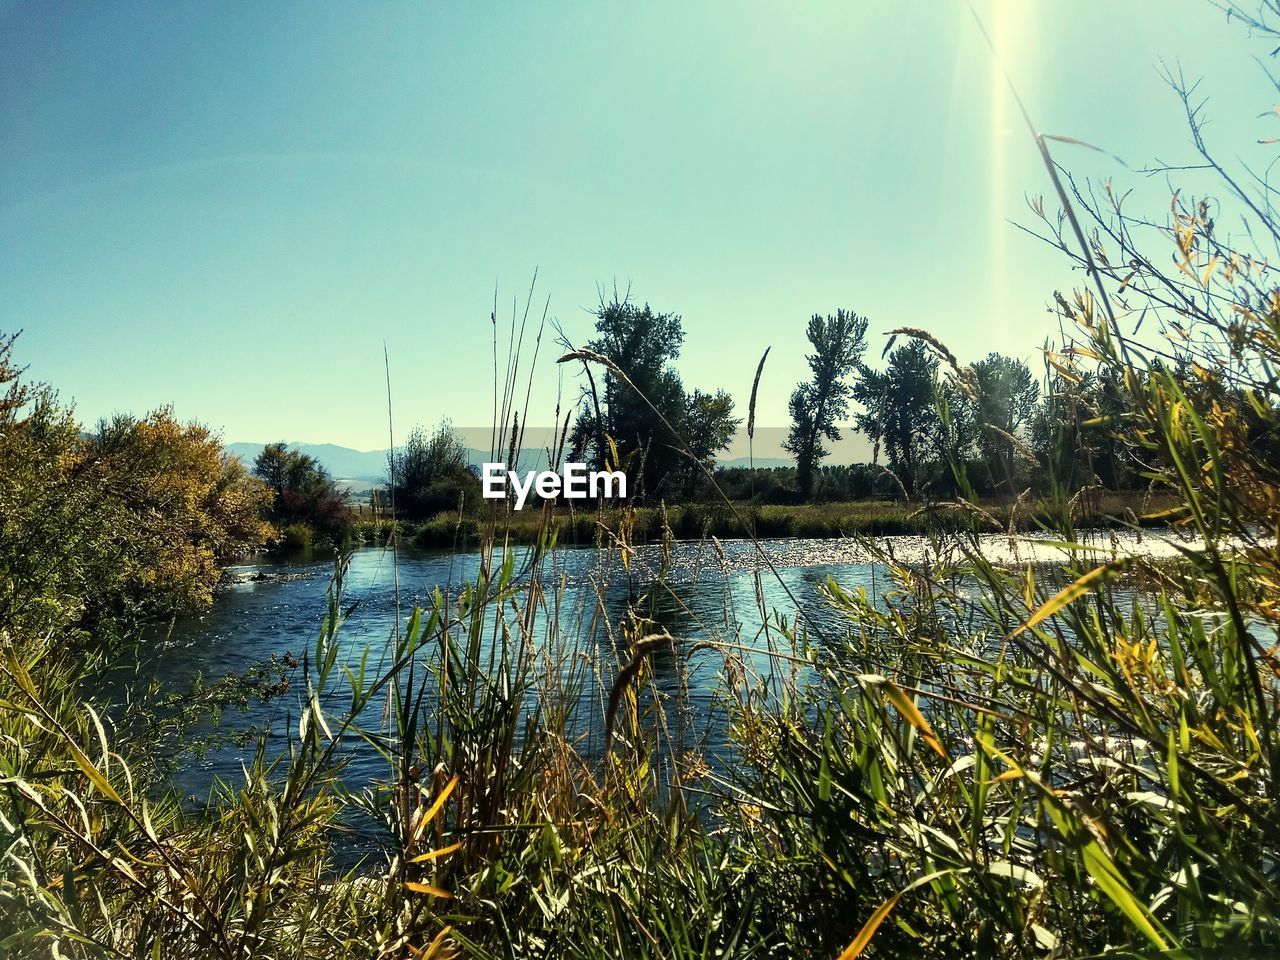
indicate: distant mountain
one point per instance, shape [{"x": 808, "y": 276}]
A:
[
  {"x": 344, "y": 463},
  {"x": 370, "y": 466}
]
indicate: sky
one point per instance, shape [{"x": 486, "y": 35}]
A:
[{"x": 233, "y": 208}]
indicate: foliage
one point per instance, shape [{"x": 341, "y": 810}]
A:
[
  {"x": 643, "y": 421},
  {"x": 1006, "y": 400},
  {"x": 927, "y": 784},
  {"x": 303, "y": 494},
  {"x": 127, "y": 523},
  {"x": 1018, "y": 760},
  {"x": 899, "y": 413},
  {"x": 709, "y": 428},
  {"x": 1074, "y": 433},
  {"x": 818, "y": 406},
  {"x": 183, "y": 505},
  {"x": 431, "y": 474}
]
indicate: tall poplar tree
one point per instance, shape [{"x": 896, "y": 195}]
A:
[{"x": 819, "y": 404}]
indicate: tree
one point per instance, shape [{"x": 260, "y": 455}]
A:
[
  {"x": 183, "y": 505},
  {"x": 1108, "y": 455},
  {"x": 302, "y": 491},
  {"x": 110, "y": 528},
  {"x": 818, "y": 405},
  {"x": 1007, "y": 396},
  {"x": 50, "y": 504},
  {"x": 710, "y": 426},
  {"x": 431, "y": 474},
  {"x": 1078, "y": 432},
  {"x": 956, "y": 444},
  {"x": 630, "y": 412},
  {"x": 899, "y": 412}
]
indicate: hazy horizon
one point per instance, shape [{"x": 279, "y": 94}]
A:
[{"x": 853, "y": 447}]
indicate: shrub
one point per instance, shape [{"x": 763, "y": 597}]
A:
[
  {"x": 297, "y": 536},
  {"x": 118, "y": 525},
  {"x": 302, "y": 492},
  {"x": 431, "y": 474}
]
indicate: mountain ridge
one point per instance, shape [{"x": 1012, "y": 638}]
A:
[{"x": 347, "y": 463}]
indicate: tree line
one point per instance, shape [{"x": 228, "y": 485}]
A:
[
  {"x": 936, "y": 428},
  {"x": 151, "y": 507},
  {"x": 990, "y": 429}
]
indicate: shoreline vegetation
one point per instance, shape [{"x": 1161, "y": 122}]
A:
[
  {"x": 702, "y": 521},
  {"x": 1026, "y": 761}
]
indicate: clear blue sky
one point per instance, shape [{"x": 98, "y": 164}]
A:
[{"x": 230, "y": 208}]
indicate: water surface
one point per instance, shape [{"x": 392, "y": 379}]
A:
[{"x": 730, "y": 593}]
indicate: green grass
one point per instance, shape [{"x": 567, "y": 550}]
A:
[{"x": 817, "y": 520}]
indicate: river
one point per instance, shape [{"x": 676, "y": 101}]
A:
[{"x": 728, "y": 593}]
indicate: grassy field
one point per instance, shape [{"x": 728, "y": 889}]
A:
[{"x": 815, "y": 520}]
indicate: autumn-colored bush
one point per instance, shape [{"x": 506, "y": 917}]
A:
[{"x": 130, "y": 520}]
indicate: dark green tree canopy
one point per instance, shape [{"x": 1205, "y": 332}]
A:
[
  {"x": 820, "y": 404},
  {"x": 899, "y": 413},
  {"x": 630, "y": 412},
  {"x": 1007, "y": 397}
]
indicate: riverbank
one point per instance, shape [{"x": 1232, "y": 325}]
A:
[{"x": 646, "y": 524}]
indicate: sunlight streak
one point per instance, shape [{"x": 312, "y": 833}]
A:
[{"x": 1009, "y": 22}]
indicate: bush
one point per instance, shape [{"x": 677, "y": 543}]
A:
[
  {"x": 446, "y": 530},
  {"x": 303, "y": 492},
  {"x": 297, "y": 536},
  {"x": 107, "y": 528},
  {"x": 431, "y": 474}
]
